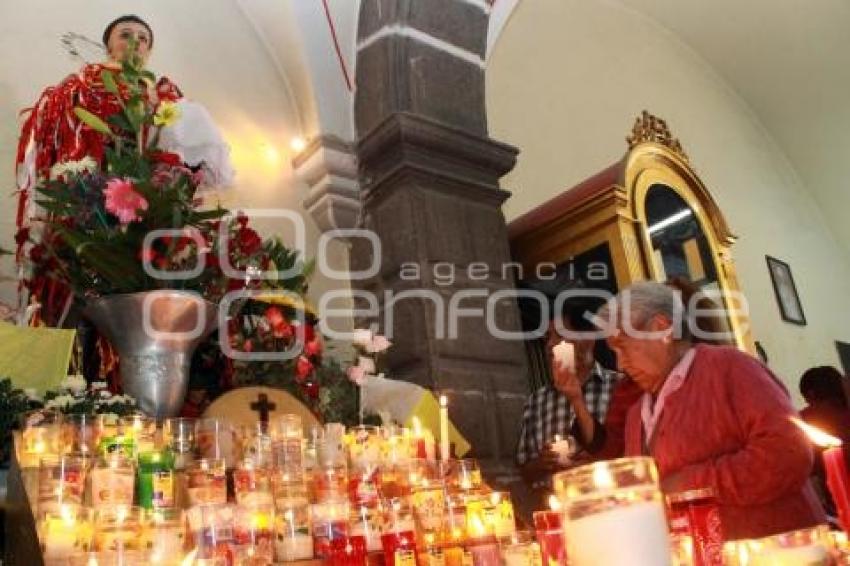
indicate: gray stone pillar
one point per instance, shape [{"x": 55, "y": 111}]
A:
[{"x": 429, "y": 177}]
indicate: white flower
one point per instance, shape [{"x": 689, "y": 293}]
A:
[
  {"x": 378, "y": 344},
  {"x": 104, "y": 394},
  {"x": 95, "y": 385},
  {"x": 84, "y": 165},
  {"x": 362, "y": 337},
  {"x": 60, "y": 402},
  {"x": 366, "y": 364},
  {"x": 32, "y": 394},
  {"x": 74, "y": 383}
]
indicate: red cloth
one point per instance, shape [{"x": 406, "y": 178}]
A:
[
  {"x": 625, "y": 394},
  {"x": 728, "y": 427}
]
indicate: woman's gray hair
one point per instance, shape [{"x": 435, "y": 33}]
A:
[{"x": 645, "y": 300}]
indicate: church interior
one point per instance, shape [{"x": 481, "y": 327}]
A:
[{"x": 446, "y": 169}]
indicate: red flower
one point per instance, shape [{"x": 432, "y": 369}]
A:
[
  {"x": 303, "y": 369},
  {"x": 249, "y": 241},
  {"x": 147, "y": 254},
  {"x": 312, "y": 390},
  {"x": 167, "y": 158},
  {"x": 309, "y": 333},
  {"x": 313, "y": 348},
  {"x": 280, "y": 326},
  {"x": 37, "y": 253},
  {"x": 242, "y": 219}
]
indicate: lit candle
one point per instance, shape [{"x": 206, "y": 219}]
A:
[
  {"x": 836, "y": 470},
  {"x": 564, "y": 355},
  {"x": 550, "y": 536},
  {"x": 501, "y": 514},
  {"x": 444, "y": 429},
  {"x": 564, "y": 448},
  {"x": 482, "y": 546},
  {"x": 293, "y": 540}
]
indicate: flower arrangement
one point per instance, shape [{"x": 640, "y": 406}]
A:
[
  {"x": 76, "y": 397},
  {"x": 370, "y": 349}
]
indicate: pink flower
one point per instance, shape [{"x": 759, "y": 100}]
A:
[
  {"x": 357, "y": 374},
  {"x": 379, "y": 344},
  {"x": 123, "y": 201}
]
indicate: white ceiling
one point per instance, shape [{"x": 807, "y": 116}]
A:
[{"x": 790, "y": 61}]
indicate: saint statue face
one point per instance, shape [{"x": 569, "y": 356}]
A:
[{"x": 119, "y": 40}]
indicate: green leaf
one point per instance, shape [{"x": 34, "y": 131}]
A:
[
  {"x": 92, "y": 121},
  {"x": 109, "y": 82}
]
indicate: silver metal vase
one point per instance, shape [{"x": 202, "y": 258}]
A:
[{"x": 155, "y": 334}]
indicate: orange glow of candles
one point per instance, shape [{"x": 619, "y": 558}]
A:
[{"x": 836, "y": 469}]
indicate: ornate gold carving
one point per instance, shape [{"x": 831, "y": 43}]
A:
[{"x": 649, "y": 128}]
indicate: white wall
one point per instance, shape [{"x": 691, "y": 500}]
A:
[
  {"x": 564, "y": 83},
  {"x": 212, "y": 52}
]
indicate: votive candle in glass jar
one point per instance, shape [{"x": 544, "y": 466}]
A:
[
  {"x": 79, "y": 434},
  {"x": 287, "y": 436},
  {"x": 211, "y": 533},
  {"x": 118, "y": 528},
  {"x": 328, "y": 482},
  {"x": 293, "y": 540},
  {"x": 165, "y": 537},
  {"x": 364, "y": 447},
  {"x": 812, "y": 547},
  {"x": 614, "y": 496},
  {"x": 215, "y": 439},
  {"x": 349, "y": 551},
  {"x": 329, "y": 522},
  {"x": 61, "y": 479},
  {"x": 253, "y": 534},
  {"x": 520, "y": 549},
  {"x": 367, "y": 521},
  {"x": 63, "y": 531},
  {"x": 399, "y": 538},
  {"x": 40, "y": 437},
  {"x": 113, "y": 480},
  {"x": 549, "y": 527},
  {"x": 252, "y": 484},
  {"x": 206, "y": 482},
  {"x": 179, "y": 435}
]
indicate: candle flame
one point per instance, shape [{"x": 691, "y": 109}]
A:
[
  {"x": 190, "y": 558},
  {"x": 417, "y": 427},
  {"x": 602, "y": 477},
  {"x": 495, "y": 498},
  {"x": 554, "y": 503},
  {"x": 816, "y": 435},
  {"x": 476, "y": 526}
]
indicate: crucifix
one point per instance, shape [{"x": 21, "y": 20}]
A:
[{"x": 262, "y": 406}]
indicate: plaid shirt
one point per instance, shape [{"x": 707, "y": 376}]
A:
[{"x": 548, "y": 412}]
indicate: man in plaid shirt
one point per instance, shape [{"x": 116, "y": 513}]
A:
[{"x": 574, "y": 404}]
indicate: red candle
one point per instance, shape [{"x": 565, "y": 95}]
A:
[
  {"x": 836, "y": 470},
  {"x": 484, "y": 551},
  {"x": 550, "y": 535},
  {"x": 399, "y": 548},
  {"x": 349, "y": 551}
]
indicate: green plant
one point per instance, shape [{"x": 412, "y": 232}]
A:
[{"x": 13, "y": 404}]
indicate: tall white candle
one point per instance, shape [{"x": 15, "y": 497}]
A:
[
  {"x": 641, "y": 533},
  {"x": 444, "y": 428}
]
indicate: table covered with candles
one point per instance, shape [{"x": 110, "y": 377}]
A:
[{"x": 107, "y": 490}]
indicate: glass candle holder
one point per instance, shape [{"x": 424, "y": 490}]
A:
[
  {"x": 255, "y": 443},
  {"x": 287, "y": 437},
  {"x": 252, "y": 484},
  {"x": 179, "y": 436},
  {"x": 328, "y": 482},
  {"x": 123, "y": 558},
  {"x": 462, "y": 475},
  {"x": 253, "y": 534},
  {"x": 520, "y": 549},
  {"x": 211, "y": 533},
  {"x": 499, "y": 514},
  {"x": 65, "y": 530},
  {"x": 114, "y": 436},
  {"x": 548, "y": 525},
  {"x": 215, "y": 440},
  {"x": 329, "y": 522},
  {"x": 614, "y": 496},
  {"x": 367, "y": 522},
  {"x": 142, "y": 429},
  {"x": 806, "y": 546},
  {"x": 349, "y": 551},
  {"x": 165, "y": 537},
  {"x": 399, "y": 538},
  {"x": 293, "y": 539},
  {"x": 695, "y": 526},
  {"x": 119, "y": 528},
  {"x": 206, "y": 482},
  {"x": 429, "y": 505},
  {"x": 79, "y": 434},
  {"x": 113, "y": 480},
  {"x": 364, "y": 447},
  {"x": 40, "y": 437},
  {"x": 61, "y": 480},
  {"x": 156, "y": 481}
]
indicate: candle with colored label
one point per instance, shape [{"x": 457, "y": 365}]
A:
[
  {"x": 836, "y": 470},
  {"x": 156, "y": 479},
  {"x": 550, "y": 535}
]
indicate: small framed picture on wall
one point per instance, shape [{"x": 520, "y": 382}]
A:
[{"x": 786, "y": 292}]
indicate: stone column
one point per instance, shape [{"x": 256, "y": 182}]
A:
[{"x": 429, "y": 176}]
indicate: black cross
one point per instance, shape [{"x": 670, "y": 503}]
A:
[{"x": 263, "y": 406}]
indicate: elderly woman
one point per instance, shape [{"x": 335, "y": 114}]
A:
[{"x": 711, "y": 416}]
